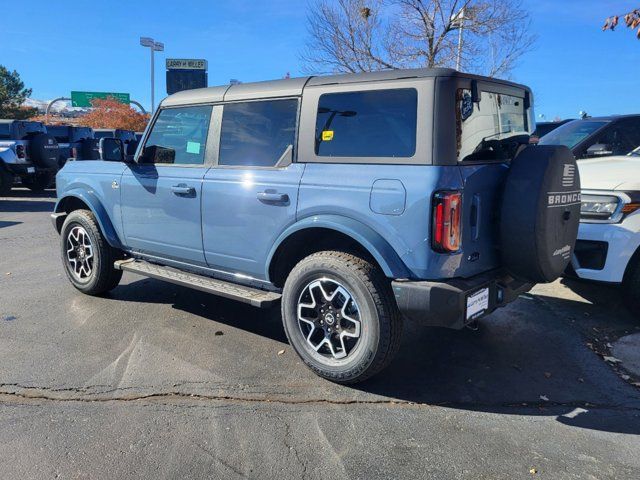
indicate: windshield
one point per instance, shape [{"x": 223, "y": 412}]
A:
[
  {"x": 572, "y": 133},
  {"x": 490, "y": 129}
]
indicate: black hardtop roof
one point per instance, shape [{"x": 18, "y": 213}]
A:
[{"x": 294, "y": 86}]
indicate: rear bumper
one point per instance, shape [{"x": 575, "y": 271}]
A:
[{"x": 444, "y": 304}]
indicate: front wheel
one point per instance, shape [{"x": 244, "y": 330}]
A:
[
  {"x": 86, "y": 256},
  {"x": 340, "y": 316}
]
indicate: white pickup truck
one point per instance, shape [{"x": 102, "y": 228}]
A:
[{"x": 608, "y": 245}]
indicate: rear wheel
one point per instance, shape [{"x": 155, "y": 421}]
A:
[
  {"x": 6, "y": 182},
  {"x": 86, "y": 256},
  {"x": 340, "y": 316}
]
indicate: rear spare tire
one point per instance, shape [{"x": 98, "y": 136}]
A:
[
  {"x": 540, "y": 213},
  {"x": 44, "y": 151}
]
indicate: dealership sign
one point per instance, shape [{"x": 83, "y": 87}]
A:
[
  {"x": 186, "y": 74},
  {"x": 85, "y": 99},
  {"x": 186, "y": 64}
]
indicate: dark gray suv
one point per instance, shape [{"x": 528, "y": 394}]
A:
[{"x": 27, "y": 152}]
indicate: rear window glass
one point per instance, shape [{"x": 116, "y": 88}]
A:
[
  {"x": 490, "y": 129},
  {"x": 376, "y": 123},
  {"x": 572, "y": 133}
]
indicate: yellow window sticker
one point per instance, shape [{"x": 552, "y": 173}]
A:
[{"x": 327, "y": 135}]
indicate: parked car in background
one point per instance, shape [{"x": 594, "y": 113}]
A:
[
  {"x": 608, "y": 245},
  {"x": 71, "y": 140},
  {"x": 542, "y": 128},
  {"x": 27, "y": 152},
  {"x": 597, "y": 136},
  {"x": 356, "y": 201},
  {"x": 129, "y": 139}
]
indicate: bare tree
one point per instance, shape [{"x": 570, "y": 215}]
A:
[
  {"x": 366, "y": 35},
  {"x": 631, "y": 19}
]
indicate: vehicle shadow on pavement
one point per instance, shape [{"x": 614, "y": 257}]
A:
[
  {"x": 523, "y": 360},
  {"x": 265, "y": 323},
  {"x": 27, "y": 201}
]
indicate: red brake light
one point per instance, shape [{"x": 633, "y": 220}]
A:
[{"x": 447, "y": 210}]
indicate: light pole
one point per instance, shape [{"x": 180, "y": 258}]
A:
[
  {"x": 457, "y": 20},
  {"x": 153, "y": 47}
]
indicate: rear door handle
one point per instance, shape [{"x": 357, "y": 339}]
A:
[
  {"x": 182, "y": 189},
  {"x": 273, "y": 197}
]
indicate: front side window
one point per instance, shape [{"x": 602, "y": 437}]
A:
[
  {"x": 179, "y": 136},
  {"x": 621, "y": 138},
  {"x": 491, "y": 128},
  {"x": 375, "y": 123},
  {"x": 257, "y": 133}
]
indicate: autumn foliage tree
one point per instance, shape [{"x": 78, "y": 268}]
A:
[
  {"x": 109, "y": 113},
  {"x": 631, "y": 20}
]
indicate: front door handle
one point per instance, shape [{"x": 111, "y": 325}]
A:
[
  {"x": 182, "y": 189},
  {"x": 273, "y": 197}
]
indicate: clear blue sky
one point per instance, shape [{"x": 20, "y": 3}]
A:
[{"x": 59, "y": 46}]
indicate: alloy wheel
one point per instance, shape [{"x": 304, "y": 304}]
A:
[
  {"x": 329, "y": 319},
  {"x": 79, "y": 253}
]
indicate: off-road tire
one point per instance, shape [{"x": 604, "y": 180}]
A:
[
  {"x": 381, "y": 322},
  {"x": 631, "y": 285},
  {"x": 103, "y": 277},
  {"x": 6, "y": 182},
  {"x": 39, "y": 182}
]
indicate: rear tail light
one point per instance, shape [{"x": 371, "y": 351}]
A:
[
  {"x": 20, "y": 152},
  {"x": 74, "y": 152},
  {"x": 446, "y": 231}
]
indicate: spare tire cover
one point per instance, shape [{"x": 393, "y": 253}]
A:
[
  {"x": 43, "y": 150},
  {"x": 540, "y": 213}
]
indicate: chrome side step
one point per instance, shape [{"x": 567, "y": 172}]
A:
[{"x": 241, "y": 293}]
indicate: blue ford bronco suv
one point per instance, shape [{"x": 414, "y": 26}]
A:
[{"x": 356, "y": 201}]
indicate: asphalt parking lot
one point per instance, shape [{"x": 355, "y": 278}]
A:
[{"x": 156, "y": 380}]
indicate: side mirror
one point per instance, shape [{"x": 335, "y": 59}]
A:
[
  {"x": 111, "y": 150},
  {"x": 157, "y": 154},
  {"x": 599, "y": 150}
]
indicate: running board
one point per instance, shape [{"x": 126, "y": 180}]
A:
[{"x": 241, "y": 293}]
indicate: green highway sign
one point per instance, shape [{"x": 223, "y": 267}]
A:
[{"x": 84, "y": 99}]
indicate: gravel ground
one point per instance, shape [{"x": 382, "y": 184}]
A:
[{"x": 158, "y": 381}]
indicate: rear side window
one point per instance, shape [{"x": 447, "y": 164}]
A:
[
  {"x": 491, "y": 128},
  {"x": 375, "y": 123},
  {"x": 257, "y": 133},
  {"x": 182, "y": 133}
]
